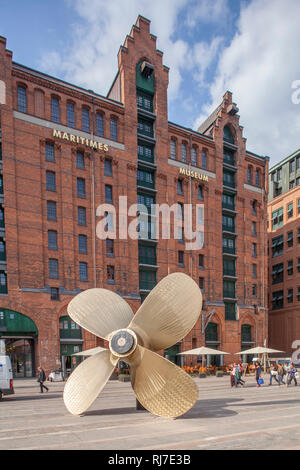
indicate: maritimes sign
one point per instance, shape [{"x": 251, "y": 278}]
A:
[{"x": 80, "y": 140}]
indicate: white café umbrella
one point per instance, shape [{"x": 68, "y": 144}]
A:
[
  {"x": 260, "y": 350},
  {"x": 203, "y": 351}
]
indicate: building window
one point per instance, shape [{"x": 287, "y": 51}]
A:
[
  {"x": 292, "y": 166},
  {"x": 107, "y": 167},
  {"x": 249, "y": 175},
  {"x": 110, "y": 273},
  {"x": 83, "y": 274},
  {"x": 298, "y": 295},
  {"x": 81, "y": 187},
  {"x": 50, "y": 181},
  {"x": 53, "y": 268},
  {"x": 279, "y": 174},
  {"x": 173, "y": 149},
  {"x": 290, "y": 238},
  {"x": 109, "y": 219},
  {"x": 254, "y": 288},
  {"x": 228, "y": 223},
  {"x": 183, "y": 152},
  {"x": 71, "y": 114},
  {"x": 113, "y": 129},
  {"x": 290, "y": 210},
  {"x": 277, "y": 273},
  {"x": 204, "y": 159},
  {"x": 3, "y": 283},
  {"x": 201, "y": 283},
  {"x": 257, "y": 177},
  {"x": 229, "y": 157},
  {"x": 55, "y": 111},
  {"x": 109, "y": 247},
  {"x": 228, "y": 179},
  {"x": 228, "y": 267},
  {"x": 99, "y": 125},
  {"x": 228, "y": 245},
  {"x": 254, "y": 250},
  {"x": 254, "y": 207},
  {"x": 181, "y": 258},
  {"x": 230, "y": 311},
  {"x": 144, "y": 101},
  {"x": 49, "y": 152},
  {"x": 277, "y": 246},
  {"x": 108, "y": 193},
  {"x": 82, "y": 244},
  {"x": 80, "y": 160},
  {"x": 254, "y": 233},
  {"x": 85, "y": 120},
  {"x": 201, "y": 261},
  {"x": 51, "y": 210},
  {"x": 298, "y": 206},
  {"x": 180, "y": 187},
  {"x": 194, "y": 156},
  {"x": 290, "y": 296},
  {"x": 229, "y": 289},
  {"x": 290, "y": 267},
  {"x": 254, "y": 271},
  {"x": 22, "y": 99},
  {"x": 277, "y": 218},
  {"x": 54, "y": 293},
  {"x": 81, "y": 213},
  {"x": 228, "y": 201},
  {"x": 277, "y": 300},
  {"x": 52, "y": 240},
  {"x": 292, "y": 184}
]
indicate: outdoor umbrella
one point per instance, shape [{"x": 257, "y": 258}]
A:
[
  {"x": 203, "y": 351},
  {"x": 259, "y": 350}
]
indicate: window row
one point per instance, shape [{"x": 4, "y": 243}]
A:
[
  {"x": 56, "y": 114},
  {"x": 278, "y": 270},
  {"x": 195, "y": 159},
  {"x": 181, "y": 192},
  {"x": 278, "y": 298},
  {"x": 82, "y": 271},
  {"x": 277, "y": 246},
  {"x": 255, "y": 179},
  {"x": 80, "y": 185}
]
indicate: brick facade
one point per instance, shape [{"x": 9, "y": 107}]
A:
[{"x": 24, "y": 169}]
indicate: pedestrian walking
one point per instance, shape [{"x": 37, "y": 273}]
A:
[
  {"x": 273, "y": 374},
  {"x": 41, "y": 379},
  {"x": 292, "y": 375},
  {"x": 257, "y": 373},
  {"x": 280, "y": 374},
  {"x": 238, "y": 373},
  {"x": 232, "y": 376}
]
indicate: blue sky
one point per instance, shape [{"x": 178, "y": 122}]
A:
[{"x": 250, "y": 47}]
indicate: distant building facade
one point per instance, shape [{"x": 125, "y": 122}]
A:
[{"x": 284, "y": 253}]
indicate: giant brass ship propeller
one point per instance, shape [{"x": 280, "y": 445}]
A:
[{"x": 168, "y": 313}]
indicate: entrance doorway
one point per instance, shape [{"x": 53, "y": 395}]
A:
[{"x": 21, "y": 353}]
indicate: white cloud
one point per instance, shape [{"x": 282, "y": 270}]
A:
[
  {"x": 102, "y": 26},
  {"x": 259, "y": 67},
  {"x": 206, "y": 11}
]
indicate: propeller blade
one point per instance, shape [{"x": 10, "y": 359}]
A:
[
  {"x": 169, "y": 312},
  {"x": 87, "y": 380},
  {"x": 160, "y": 386},
  {"x": 100, "y": 311}
]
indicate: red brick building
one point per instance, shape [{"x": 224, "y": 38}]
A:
[
  {"x": 66, "y": 150},
  {"x": 284, "y": 254}
]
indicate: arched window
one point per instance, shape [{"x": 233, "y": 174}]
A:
[
  {"x": 204, "y": 159},
  {"x": 249, "y": 174},
  {"x": 55, "y": 109},
  {"x": 227, "y": 135},
  {"x": 85, "y": 119},
  {"x": 99, "y": 125},
  {"x": 183, "y": 152},
  {"x": 70, "y": 114},
  {"x": 22, "y": 99},
  {"x": 173, "y": 149},
  {"x": 113, "y": 129},
  {"x": 194, "y": 156},
  {"x": 257, "y": 177}
]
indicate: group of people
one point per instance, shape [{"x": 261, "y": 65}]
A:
[{"x": 278, "y": 371}]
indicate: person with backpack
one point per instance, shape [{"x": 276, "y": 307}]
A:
[
  {"x": 292, "y": 375},
  {"x": 257, "y": 373},
  {"x": 41, "y": 379}
]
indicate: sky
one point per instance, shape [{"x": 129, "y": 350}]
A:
[{"x": 250, "y": 47}]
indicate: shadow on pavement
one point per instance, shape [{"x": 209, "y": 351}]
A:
[
  {"x": 39, "y": 396},
  {"x": 215, "y": 408},
  {"x": 111, "y": 411}
]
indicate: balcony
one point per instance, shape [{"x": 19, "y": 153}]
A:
[
  {"x": 228, "y": 228},
  {"x": 150, "y": 260},
  {"x": 70, "y": 334},
  {"x": 147, "y": 284}
]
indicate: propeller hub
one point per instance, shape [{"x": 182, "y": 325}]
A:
[{"x": 123, "y": 342}]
